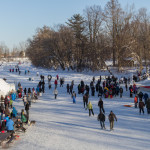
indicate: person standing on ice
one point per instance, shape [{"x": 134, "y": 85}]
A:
[
  {"x": 55, "y": 83},
  {"x": 111, "y": 118},
  {"x": 101, "y": 118},
  {"x": 136, "y": 101},
  {"x": 121, "y": 92},
  {"x": 101, "y": 107},
  {"x": 131, "y": 91},
  {"x": 55, "y": 93},
  {"x": 57, "y": 77},
  {"x": 25, "y": 91},
  {"x": 74, "y": 97},
  {"x": 145, "y": 96},
  {"x": 90, "y": 107},
  {"x": 71, "y": 88},
  {"x": 148, "y": 106},
  {"x": 85, "y": 99},
  {"x": 141, "y": 106},
  {"x": 27, "y": 110}
]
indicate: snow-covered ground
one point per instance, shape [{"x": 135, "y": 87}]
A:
[{"x": 62, "y": 125}]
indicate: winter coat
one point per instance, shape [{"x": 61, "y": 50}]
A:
[
  {"x": 14, "y": 111},
  {"x": 9, "y": 125},
  {"x": 100, "y": 103},
  {"x": 111, "y": 117},
  {"x": 11, "y": 102},
  {"x": 6, "y": 118},
  {"x": 23, "y": 118},
  {"x": 25, "y": 98},
  {"x": 85, "y": 98},
  {"x": 148, "y": 104},
  {"x": 90, "y": 106},
  {"x": 140, "y": 95},
  {"x": 101, "y": 117},
  {"x": 55, "y": 92},
  {"x": 135, "y": 99},
  {"x": 27, "y": 107},
  {"x": 37, "y": 89},
  {"x": 145, "y": 97},
  {"x": 55, "y": 82},
  {"x": 141, "y": 104}
]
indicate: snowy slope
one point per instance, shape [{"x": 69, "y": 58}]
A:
[{"x": 62, "y": 125}]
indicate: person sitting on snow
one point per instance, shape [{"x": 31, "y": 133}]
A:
[
  {"x": 19, "y": 125},
  {"x": 10, "y": 126}
]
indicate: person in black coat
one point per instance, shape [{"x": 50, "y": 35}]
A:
[
  {"x": 25, "y": 91},
  {"x": 68, "y": 88},
  {"x": 140, "y": 95},
  {"x": 27, "y": 110},
  {"x": 29, "y": 91},
  {"x": 93, "y": 91},
  {"x": 101, "y": 118},
  {"x": 121, "y": 91},
  {"x": 101, "y": 107}
]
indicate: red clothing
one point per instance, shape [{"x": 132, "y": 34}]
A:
[
  {"x": 55, "y": 82},
  {"x": 135, "y": 99}
]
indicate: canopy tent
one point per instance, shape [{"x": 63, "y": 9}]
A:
[{"x": 5, "y": 87}]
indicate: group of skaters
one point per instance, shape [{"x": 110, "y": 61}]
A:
[
  {"x": 17, "y": 70},
  {"x": 109, "y": 88}
]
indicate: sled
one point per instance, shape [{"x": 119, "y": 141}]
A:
[{"x": 127, "y": 105}]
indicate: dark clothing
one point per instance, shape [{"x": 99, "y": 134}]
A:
[
  {"x": 101, "y": 118},
  {"x": 27, "y": 106},
  {"x": 91, "y": 110},
  {"x": 85, "y": 100},
  {"x": 100, "y": 104},
  {"x": 141, "y": 107}
]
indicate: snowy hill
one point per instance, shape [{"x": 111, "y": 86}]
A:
[{"x": 62, "y": 125}]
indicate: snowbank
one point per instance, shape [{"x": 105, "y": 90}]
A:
[{"x": 5, "y": 88}]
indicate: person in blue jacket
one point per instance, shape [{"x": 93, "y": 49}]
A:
[
  {"x": 10, "y": 126},
  {"x": 14, "y": 111},
  {"x": 145, "y": 96},
  {"x": 6, "y": 118}
]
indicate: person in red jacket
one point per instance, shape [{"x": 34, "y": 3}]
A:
[
  {"x": 55, "y": 83},
  {"x": 141, "y": 106},
  {"x": 136, "y": 101}
]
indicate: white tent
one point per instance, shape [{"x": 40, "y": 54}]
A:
[{"x": 5, "y": 87}]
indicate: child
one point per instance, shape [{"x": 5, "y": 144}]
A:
[{"x": 55, "y": 93}]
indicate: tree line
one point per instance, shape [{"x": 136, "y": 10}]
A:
[{"x": 87, "y": 41}]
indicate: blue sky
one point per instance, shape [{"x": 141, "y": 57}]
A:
[{"x": 19, "y": 19}]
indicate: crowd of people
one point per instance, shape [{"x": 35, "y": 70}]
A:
[{"x": 109, "y": 87}]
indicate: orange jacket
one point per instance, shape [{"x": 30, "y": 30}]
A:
[{"x": 135, "y": 99}]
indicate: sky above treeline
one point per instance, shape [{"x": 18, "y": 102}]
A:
[{"x": 19, "y": 19}]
